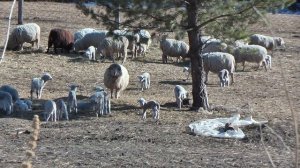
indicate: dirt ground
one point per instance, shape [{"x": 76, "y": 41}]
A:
[{"x": 123, "y": 139}]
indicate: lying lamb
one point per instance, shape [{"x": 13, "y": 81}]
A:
[
  {"x": 224, "y": 77},
  {"x": 38, "y": 84},
  {"x": 6, "y": 103},
  {"x": 72, "y": 100},
  {"x": 50, "y": 110},
  {"x": 90, "y": 53},
  {"x": 144, "y": 80},
  {"x": 153, "y": 105},
  {"x": 23, "y": 106},
  {"x": 180, "y": 95}
]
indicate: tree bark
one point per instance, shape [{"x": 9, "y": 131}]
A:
[
  {"x": 199, "y": 93},
  {"x": 20, "y": 12}
]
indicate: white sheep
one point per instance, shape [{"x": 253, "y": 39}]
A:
[
  {"x": 213, "y": 45},
  {"x": 268, "y": 61},
  {"x": 72, "y": 99},
  {"x": 144, "y": 80},
  {"x": 133, "y": 39},
  {"x": 90, "y": 39},
  {"x": 90, "y": 53},
  {"x": 29, "y": 33},
  {"x": 38, "y": 84},
  {"x": 173, "y": 48},
  {"x": 145, "y": 38},
  {"x": 6, "y": 103},
  {"x": 216, "y": 61},
  {"x": 81, "y": 33},
  {"x": 62, "y": 110},
  {"x": 180, "y": 95},
  {"x": 116, "y": 78},
  {"x": 101, "y": 102},
  {"x": 111, "y": 45},
  {"x": 50, "y": 110},
  {"x": 224, "y": 77},
  {"x": 12, "y": 91},
  {"x": 153, "y": 105},
  {"x": 270, "y": 43}
]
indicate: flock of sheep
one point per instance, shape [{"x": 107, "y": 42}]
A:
[{"x": 218, "y": 57}]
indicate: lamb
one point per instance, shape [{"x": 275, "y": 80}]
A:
[
  {"x": 50, "y": 111},
  {"x": 22, "y": 105},
  {"x": 38, "y": 84},
  {"x": 144, "y": 80},
  {"x": 133, "y": 39},
  {"x": 60, "y": 38},
  {"x": 81, "y": 33},
  {"x": 153, "y": 105},
  {"x": 6, "y": 103},
  {"x": 270, "y": 43},
  {"x": 173, "y": 48},
  {"x": 250, "y": 53},
  {"x": 216, "y": 61},
  {"x": 188, "y": 71},
  {"x": 180, "y": 95},
  {"x": 111, "y": 45},
  {"x": 101, "y": 101},
  {"x": 116, "y": 78},
  {"x": 12, "y": 91},
  {"x": 142, "y": 49},
  {"x": 90, "y": 39},
  {"x": 90, "y": 53},
  {"x": 72, "y": 99},
  {"x": 29, "y": 33},
  {"x": 62, "y": 111},
  {"x": 268, "y": 61},
  {"x": 224, "y": 77}
]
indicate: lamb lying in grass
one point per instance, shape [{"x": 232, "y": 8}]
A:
[{"x": 153, "y": 105}]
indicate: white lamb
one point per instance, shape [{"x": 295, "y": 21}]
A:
[
  {"x": 153, "y": 105},
  {"x": 72, "y": 99},
  {"x": 50, "y": 110},
  {"x": 101, "y": 102},
  {"x": 180, "y": 95},
  {"x": 268, "y": 61},
  {"x": 62, "y": 110},
  {"x": 173, "y": 48},
  {"x": 38, "y": 84},
  {"x": 90, "y": 53},
  {"x": 224, "y": 77},
  {"x": 144, "y": 80}
]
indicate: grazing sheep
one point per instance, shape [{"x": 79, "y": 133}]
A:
[
  {"x": 250, "y": 53},
  {"x": 38, "y": 84},
  {"x": 72, "y": 100},
  {"x": 22, "y": 105},
  {"x": 90, "y": 53},
  {"x": 153, "y": 105},
  {"x": 101, "y": 102},
  {"x": 60, "y": 38},
  {"x": 180, "y": 95},
  {"x": 216, "y": 61},
  {"x": 268, "y": 61},
  {"x": 90, "y": 39},
  {"x": 29, "y": 33},
  {"x": 62, "y": 111},
  {"x": 133, "y": 39},
  {"x": 12, "y": 91},
  {"x": 116, "y": 78},
  {"x": 50, "y": 111},
  {"x": 81, "y": 33},
  {"x": 144, "y": 80},
  {"x": 213, "y": 45},
  {"x": 111, "y": 45},
  {"x": 6, "y": 103},
  {"x": 173, "y": 48},
  {"x": 145, "y": 37},
  {"x": 224, "y": 77},
  {"x": 270, "y": 43}
]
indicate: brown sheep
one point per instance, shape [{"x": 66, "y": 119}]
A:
[{"x": 60, "y": 38}]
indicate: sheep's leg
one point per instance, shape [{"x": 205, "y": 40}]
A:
[
  {"x": 111, "y": 93},
  {"x": 144, "y": 114},
  {"x": 49, "y": 115},
  {"x": 117, "y": 94},
  {"x": 243, "y": 63},
  {"x": 125, "y": 55},
  {"x": 49, "y": 45},
  {"x": 178, "y": 103},
  {"x": 206, "y": 77},
  {"x": 54, "y": 116},
  {"x": 232, "y": 76},
  {"x": 31, "y": 94},
  {"x": 164, "y": 58}
]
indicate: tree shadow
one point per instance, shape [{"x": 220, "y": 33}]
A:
[{"x": 177, "y": 82}]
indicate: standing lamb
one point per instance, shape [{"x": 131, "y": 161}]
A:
[
  {"x": 268, "y": 61},
  {"x": 180, "y": 95},
  {"x": 90, "y": 39},
  {"x": 173, "y": 48},
  {"x": 62, "y": 111},
  {"x": 50, "y": 111},
  {"x": 60, "y": 38},
  {"x": 188, "y": 71},
  {"x": 38, "y": 84},
  {"x": 81, "y": 33},
  {"x": 6, "y": 103},
  {"x": 29, "y": 33},
  {"x": 144, "y": 80},
  {"x": 270, "y": 43},
  {"x": 217, "y": 61},
  {"x": 101, "y": 102},
  {"x": 116, "y": 78},
  {"x": 72, "y": 99},
  {"x": 90, "y": 53},
  {"x": 224, "y": 77},
  {"x": 12, "y": 91},
  {"x": 153, "y": 105}
]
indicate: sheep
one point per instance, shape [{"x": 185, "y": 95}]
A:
[
  {"x": 224, "y": 77},
  {"x": 38, "y": 84},
  {"x": 29, "y": 33},
  {"x": 144, "y": 80},
  {"x": 6, "y": 103},
  {"x": 60, "y": 38},
  {"x": 216, "y": 61},
  {"x": 116, "y": 78},
  {"x": 270, "y": 43},
  {"x": 268, "y": 61},
  {"x": 180, "y": 95},
  {"x": 145, "y": 37},
  {"x": 111, "y": 45},
  {"x": 62, "y": 111},
  {"x": 142, "y": 49},
  {"x": 250, "y": 53},
  {"x": 12, "y": 91},
  {"x": 188, "y": 71},
  {"x": 153, "y": 105},
  {"x": 101, "y": 101},
  {"x": 173, "y": 48},
  {"x": 22, "y": 105},
  {"x": 90, "y": 53},
  {"x": 81, "y": 33},
  {"x": 213, "y": 45},
  {"x": 133, "y": 39},
  {"x": 90, "y": 39},
  {"x": 72, "y": 99},
  {"x": 50, "y": 110}
]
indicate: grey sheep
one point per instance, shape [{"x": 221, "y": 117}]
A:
[
  {"x": 180, "y": 95},
  {"x": 50, "y": 110},
  {"x": 12, "y": 91},
  {"x": 23, "y": 105},
  {"x": 216, "y": 61},
  {"x": 90, "y": 39},
  {"x": 116, "y": 78},
  {"x": 144, "y": 80},
  {"x": 224, "y": 77},
  {"x": 90, "y": 53},
  {"x": 101, "y": 102},
  {"x": 6, "y": 103},
  {"x": 270, "y": 43},
  {"x": 153, "y": 105},
  {"x": 72, "y": 99},
  {"x": 81, "y": 33},
  {"x": 62, "y": 111},
  {"x": 29, "y": 33},
  {"x": 173, "y": 48},
  {"x": 38, "y": 84}
]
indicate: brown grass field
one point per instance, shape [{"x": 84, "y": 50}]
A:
[{"x": 123, "y": 139}]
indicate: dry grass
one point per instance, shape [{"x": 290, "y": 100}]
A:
[{"x": 123, "y": 139}]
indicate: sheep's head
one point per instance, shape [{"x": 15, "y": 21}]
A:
[
  {"x": 279, "y": 42},
  {"x": 141, "y": 78},
  {"x": 73, "y": 87},
  {"x": 99, "y": 89},
  {"x": 115, "y": 70},
  {"x": 141, "y": 101},
  {"x": 186, "y": 69},
  {"x": 46, "y": 77}
]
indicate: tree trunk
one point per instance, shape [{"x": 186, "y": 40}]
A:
[
  {"x": 20, "y": 12},
  {"x": 200, "y": 98}
]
